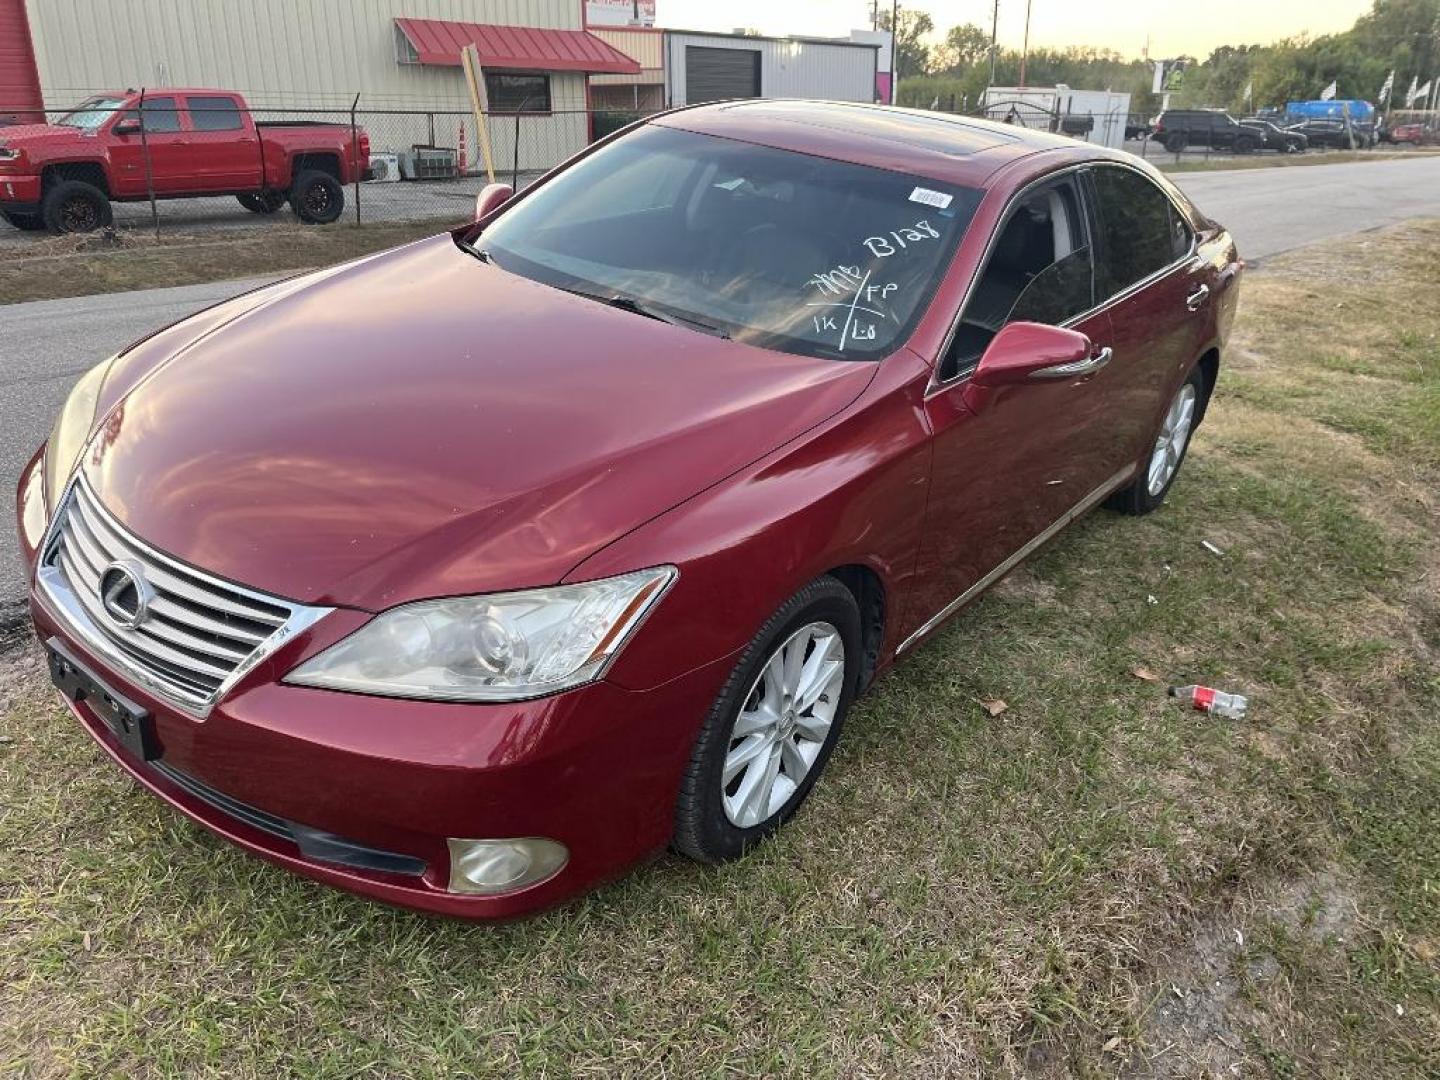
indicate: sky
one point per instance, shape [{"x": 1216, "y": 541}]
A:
[{"x": 1172, "y": 28}]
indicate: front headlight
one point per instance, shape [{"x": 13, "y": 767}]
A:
[
  {"x": 501, "y": 647},
  {"x": 72, "y": 428},
  {"x": 9, "y": 154}
]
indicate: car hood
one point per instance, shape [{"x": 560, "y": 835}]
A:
[
  {"x": 18, "y": 135},
  {"x": 421, "y": 424}
]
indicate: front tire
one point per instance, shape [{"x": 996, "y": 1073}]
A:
[
  {"x": 73, "y": 206},
  {"x": 773, "y": 726},
  {"x": 317, "y": 198},
  {"x": 1157, "y": 470},
  {"x": 265, "y": 202}
]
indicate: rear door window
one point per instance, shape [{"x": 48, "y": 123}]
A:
[
  {"x": 214, "y": 114},
  {"x": 1140, "y": 231}
]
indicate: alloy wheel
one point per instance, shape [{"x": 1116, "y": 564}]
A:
[
  {"x": 79, "y": 215},
  {"x": 782, "y": 727},
  {"x": 1174, "y": 435}
]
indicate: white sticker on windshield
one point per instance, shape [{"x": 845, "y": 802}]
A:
[{"x": 937, "y": 199}]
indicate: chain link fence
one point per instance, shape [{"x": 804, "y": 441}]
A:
[{"x": 171, "y": 162}]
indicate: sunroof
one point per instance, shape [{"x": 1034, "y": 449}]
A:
[{"x": 942, "y": 134}]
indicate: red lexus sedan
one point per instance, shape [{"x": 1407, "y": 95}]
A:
[{"x": 468, "y": 574}]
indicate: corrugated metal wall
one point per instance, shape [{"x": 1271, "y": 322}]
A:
[
  {"x": 276, "y": 52},
  {"x": 19, "y": 83},
  {"x": 647, "y": 47},
  {"x": 788, "y": 69}
]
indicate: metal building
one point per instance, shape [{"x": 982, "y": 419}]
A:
[{"x": 712, "y": 67}]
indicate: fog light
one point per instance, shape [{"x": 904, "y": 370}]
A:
[{"x": 487, "y": 867}]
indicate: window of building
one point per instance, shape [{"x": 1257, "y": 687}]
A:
[
  {"x": 214, "y": 114},
  {"x": 514, "y": 92}
]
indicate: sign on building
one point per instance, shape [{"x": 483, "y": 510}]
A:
[{"x": 620, "y": 12}]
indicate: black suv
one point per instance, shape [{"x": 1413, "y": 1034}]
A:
[{"x": 1178, "y": 128}]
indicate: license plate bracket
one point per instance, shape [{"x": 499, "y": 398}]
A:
[{"x": 127, "y": 721}]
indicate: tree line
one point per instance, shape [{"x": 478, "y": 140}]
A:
[{"x": 1394, "y": 35}]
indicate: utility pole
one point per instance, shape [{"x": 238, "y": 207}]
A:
[
  {"x": 894, "y": 52},
  {"x": 1025, "y": 49},
  {"x": 994, "y": 38}
]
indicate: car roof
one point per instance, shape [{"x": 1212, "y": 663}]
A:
[{"x": 961, "y": 150}]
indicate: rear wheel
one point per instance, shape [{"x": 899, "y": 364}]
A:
[
  {"x": 772, "y": 728},
  {"x": 1176, "y": 142},
  {"x": 1244, "y": 144},
  {"x": 31, "y": 222},
  {"x": 73, "y": 206},
  {"x": 1160, "y": 465},
  {"x": 266, "y": 202},
  {"x": 317, "y": 198}
]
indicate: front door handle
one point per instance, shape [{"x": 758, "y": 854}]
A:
[
  {"x": 1198, "y": 297},
  {"x": 1088, "y": 366}
]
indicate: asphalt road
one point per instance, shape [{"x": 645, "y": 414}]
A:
[{"x": 46, "y": 345}]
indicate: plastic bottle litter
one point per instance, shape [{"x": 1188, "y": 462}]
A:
[{"x": 1205, "y": 699}]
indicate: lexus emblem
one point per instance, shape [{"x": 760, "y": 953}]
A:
[{"x": 125, "y": 594}]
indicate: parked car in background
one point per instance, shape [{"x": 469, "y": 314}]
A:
[
  {"x": 1274, "y": 137},
  {"x": 64, "y": 176},
  {"x": 1177, "y": 129},
  {"x": 1330, "y": 134},
  {"x": 466, "y": 575},
  {"x": 1413, "y": 134}
]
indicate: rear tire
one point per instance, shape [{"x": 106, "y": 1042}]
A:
[
  {"x": 1154, "y": 475},
  {"x": 1176, "y": 143},
  {"x": 761, "y": 724},
  {"x": 265, "y": 202},
  {"x": 1244, "y": 145},
  {"x": 317, "y": 198},
  {"x": 73, "y": 206},
  {"x": 31, "y": 222}
]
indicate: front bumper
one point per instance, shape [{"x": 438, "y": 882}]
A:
[
  {"x": 596, "y": 769},
  {"x": 19, "y": 192}
]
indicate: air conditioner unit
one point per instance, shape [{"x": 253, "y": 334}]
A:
[{"x": 385, "y": 167}]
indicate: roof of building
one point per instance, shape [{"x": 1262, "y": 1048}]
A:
[
  {"x": 527, "y": 48},
  {"x": 960, "y": 149}
]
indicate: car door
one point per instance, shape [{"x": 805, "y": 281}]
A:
[
  {"x": 225, "y": 148},
  {"x": 164, "y": 142},
  {"x": 1005, "y": 475},
  {"x": 1156, "y": 291}
]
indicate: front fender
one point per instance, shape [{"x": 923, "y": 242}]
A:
[{"x": 850, "y": 492}]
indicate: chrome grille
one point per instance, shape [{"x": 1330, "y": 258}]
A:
[{"x": 200, "y": 634}]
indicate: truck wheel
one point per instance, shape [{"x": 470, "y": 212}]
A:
[
  {"x": 266, "y": 202},
  {"x": 23, "y": 222},
  {"x": 73, "y": 206},
  {"x": 317, "y": 198},
  {"x": 1176, "y": 142}
]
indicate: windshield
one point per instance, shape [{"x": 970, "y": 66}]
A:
[
  {"x": 773, "y": 248},
  {"x": 91, "y": 114}
]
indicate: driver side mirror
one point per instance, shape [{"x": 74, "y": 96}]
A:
[
  {"x": 491, "y": 198},
  {"x": 1025, "y": 350},
  {"x": 126, "y": 127}
]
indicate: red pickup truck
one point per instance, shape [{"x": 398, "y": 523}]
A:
[{"x": 63, "y": 176}]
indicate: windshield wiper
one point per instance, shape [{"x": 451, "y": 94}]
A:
[{"x": 650, "y": 311}]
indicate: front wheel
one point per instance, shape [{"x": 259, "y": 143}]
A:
[
  {"x": 73, "y": 206},
  {"x": 265, "y": 202},
  {"x": 771, "y": 730},
  {"x": 1157, "y": 469}
]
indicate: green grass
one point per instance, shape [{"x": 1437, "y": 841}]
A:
[{"x": 1092, "y": 882}]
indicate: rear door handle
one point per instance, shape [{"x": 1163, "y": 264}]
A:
[{"x": 1197, "y": 298}]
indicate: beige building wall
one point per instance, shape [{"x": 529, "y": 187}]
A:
[{"x": 277, "y": 52}]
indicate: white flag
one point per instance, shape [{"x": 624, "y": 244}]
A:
[
  {"x": 1249, "y": 92},
  {"x": 1328, "y": 94},
  {"x": 1389, "y": 85},
  {"x": 1421, "y": 94},
  {"x": 1410, "y": 94}
]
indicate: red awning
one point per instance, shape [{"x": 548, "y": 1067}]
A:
[{"x": 526, "y": 48}]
